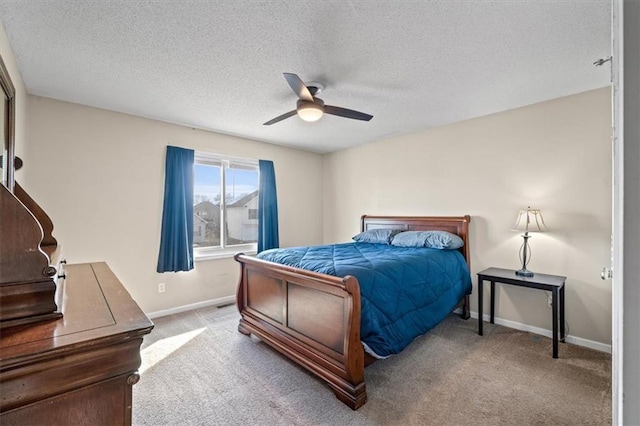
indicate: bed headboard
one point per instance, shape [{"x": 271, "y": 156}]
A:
[{"x": 458, "y": 225}]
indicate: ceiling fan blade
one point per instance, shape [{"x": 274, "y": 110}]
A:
[
  {"x": 298, "y": 87},
  {"x": 348, "y": 113},
  {"x": 280, "y": 117}
]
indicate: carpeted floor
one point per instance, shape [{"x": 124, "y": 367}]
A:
[{"x": 198, "y": 370}]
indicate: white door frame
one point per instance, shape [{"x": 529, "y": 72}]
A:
[{"x": 617, "y": 66}]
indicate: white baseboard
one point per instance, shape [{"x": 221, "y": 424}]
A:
[
  {"x": 213, "y": 302},
  {"x": 547, "y": 333}
]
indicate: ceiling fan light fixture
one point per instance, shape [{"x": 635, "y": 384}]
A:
[
  {"x": 310, "y": 111},
  {"x": 311, "y": 108}
]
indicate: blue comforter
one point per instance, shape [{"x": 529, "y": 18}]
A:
[{"x": 405, "y": 291}]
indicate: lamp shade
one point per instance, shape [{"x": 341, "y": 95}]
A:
[{"x": 530, "y": 220}]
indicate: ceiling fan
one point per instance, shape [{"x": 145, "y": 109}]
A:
[{"x": 311, "y": 108}]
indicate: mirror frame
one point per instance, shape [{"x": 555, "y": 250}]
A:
[{"x": 9, "y": 126}]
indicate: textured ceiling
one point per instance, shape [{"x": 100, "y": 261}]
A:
[{"x": 218, "y": 65}]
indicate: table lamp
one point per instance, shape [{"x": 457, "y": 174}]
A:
[{"x": 529, "y": 220}]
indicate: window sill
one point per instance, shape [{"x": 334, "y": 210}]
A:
[{"x": 222, "y": 254}]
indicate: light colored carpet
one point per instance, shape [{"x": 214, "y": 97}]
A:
[{"x": 198, "y": 370}]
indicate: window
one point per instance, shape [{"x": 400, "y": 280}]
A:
[{"x": 225, "y": 205}]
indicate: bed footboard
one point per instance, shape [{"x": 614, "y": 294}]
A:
[{"x": 312, "y": 318}]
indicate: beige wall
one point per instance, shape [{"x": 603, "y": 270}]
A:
[
  {"x": 21, "y": 91},
  {"x": 100, "y": 176},
  {"x": 555, "y": 156}
]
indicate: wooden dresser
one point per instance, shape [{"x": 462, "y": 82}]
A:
[{"x": 78, "y": 369}]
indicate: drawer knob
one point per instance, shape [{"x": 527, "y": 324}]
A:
[
  {"x": 133, "y": 379},
  {"x": 49, "y": 271}
]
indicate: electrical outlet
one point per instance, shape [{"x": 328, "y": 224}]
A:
[{"x": 161, "y": 288}]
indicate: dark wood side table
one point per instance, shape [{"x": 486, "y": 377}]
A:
[{"x": 552, "y": 283}]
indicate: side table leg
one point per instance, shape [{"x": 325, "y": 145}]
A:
[
  {"x": 561, "y": 301},
  {"x": 480, "y": 284},
  {"x": 554, "y": 327},
  {"x": 493, "y": 301}
]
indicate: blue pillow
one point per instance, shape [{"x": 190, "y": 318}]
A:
[
  {"x": 435, "y": 239},
  {"x": 376, "y": 236}
]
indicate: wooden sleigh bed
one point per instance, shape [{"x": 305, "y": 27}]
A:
[{"x": 314, "y": 318}]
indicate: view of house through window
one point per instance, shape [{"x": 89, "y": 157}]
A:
[{"x": 225, "y": 202}]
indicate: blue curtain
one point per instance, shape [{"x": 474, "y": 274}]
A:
[
  {"x": 267, "y": 207},
  {"x": 176, "y": 240}
]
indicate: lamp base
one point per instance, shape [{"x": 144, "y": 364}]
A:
[{"x": 524, "y": 273}]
